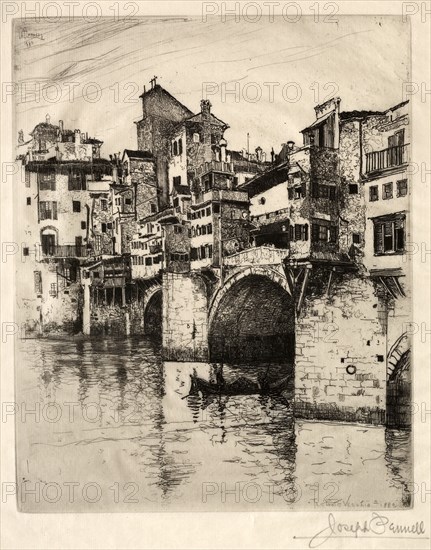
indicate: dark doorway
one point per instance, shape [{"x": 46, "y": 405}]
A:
[{"x": 48, "y": 244}]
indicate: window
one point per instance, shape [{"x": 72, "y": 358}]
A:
[
  {"x": 76, "y": 206},
  {"x": 387, "y": 191},
  {"x": 96, "y": 274},
  {"x": 109, "y": 225},
  {"x": 374, "y": 193},
  {"x": 326, "y": 192},
  {"x": 47, "y": 182},
  {"x": 28, "y": 201},
  {"x": 262, "y": 200},
  {"x": 177, "y": 180},
  {"x": 216, "y": 209},
  {"x": 48, "y": 210},
  {"x": 37, "y": 282},
  {"x": 153, "y": 208},
  {"x": 77, "y": 182},
  {"x": 175, "y": 148},
  {"x": 356, "y": 238},
  {"x": 27, "y": 178},
  {"x": 176, "y": 202},
  {"x": 290, "y": 193},
  {"x": 103, "y": 227},
  {"x": 103, "y": 204},
  {"x": 389, "y": 234},
  {"x": 298, "y": 232},
  {"x": 25, "y": 251},
  {"x": 298, "y": 192},
  {"x": 180, "y": 147},
  {"x": 196, "y": 138},
  {"x": 128, "y": 201},
  {"x": 401, "y": 188},
  {"x": 208, "y": 211},
  {"x": 324, "y": 232},
  {"x": 83, "y": 225},
  {"x": 396, "y": 139},
  {"x": 353, "y": 189},
  {"x": 148, "y": 261},
  {"x": 204, "y": 230},
  {"x": 53, "y": 290},
  {"x": 178, "y": 229},
  {"x": 209, "y": 228}
]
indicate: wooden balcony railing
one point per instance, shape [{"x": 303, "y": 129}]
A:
[
  {"x": 387, "y": 158},
  {"x": 65, "y": 251}
]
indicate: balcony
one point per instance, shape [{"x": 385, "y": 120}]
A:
[
  {"x": 215, "y": 166},
  {"x": 65, "y": 251},
  {"x": 387, "y": 158},
  {"x": 225, "y": 195}
]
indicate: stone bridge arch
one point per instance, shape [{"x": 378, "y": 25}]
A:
[
  {"x": 252, "y": 318},
  {"x": 398, "y": 384},
  {"x": 397, "y": 351}
]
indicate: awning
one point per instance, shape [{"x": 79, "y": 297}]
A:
[{"x": 318, "y": 121}]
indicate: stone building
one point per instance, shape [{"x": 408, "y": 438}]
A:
[
  {"x": 161, "y": 113},
  {"x": 61, "y": 171}
]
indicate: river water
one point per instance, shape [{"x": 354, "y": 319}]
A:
[{"x": 105, "y": 425}]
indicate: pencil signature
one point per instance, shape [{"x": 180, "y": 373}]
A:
[{"x": 377, "y": 525}]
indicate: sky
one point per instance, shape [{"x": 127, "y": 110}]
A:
[{"x": 90, "y": 75}]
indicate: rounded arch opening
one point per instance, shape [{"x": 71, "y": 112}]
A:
[
  {"x": 398, "y": 393},
  {"x": 153, "y": 314},
  {"x": 253, "y": 322}
]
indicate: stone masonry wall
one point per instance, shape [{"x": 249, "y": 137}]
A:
[
  {"x": 185, "y": 308},
  {"x": 340, "y": 367}
]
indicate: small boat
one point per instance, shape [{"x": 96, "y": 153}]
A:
[{"x": 241, "y": 386}]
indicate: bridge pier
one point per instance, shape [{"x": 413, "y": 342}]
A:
[
  {"x": 185, "y": 313},
  {"x": 340, "y": 363}
]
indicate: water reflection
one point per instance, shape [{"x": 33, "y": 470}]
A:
[{"x": 126, "y": 422}]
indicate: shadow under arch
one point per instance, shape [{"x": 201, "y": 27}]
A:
[
  {"x": 252, "y": 321},
  {"x": 153, "y": 314}
]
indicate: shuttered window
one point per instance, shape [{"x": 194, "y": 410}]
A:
[
  {"x": 389, "y": 234},
  {"x": 38, "y": 282},
  {"x": 48, "y": 210}
]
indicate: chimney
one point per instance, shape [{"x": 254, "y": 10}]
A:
[
  {"x": 20, "y": 137},
  {"x": 206, "y": 129},
  {"x": 223, "y": 144},
  {"x": 205, "y": 108},
  {"x": 47, "y": 119},
  {"x": 61, "y": 126},
  {"x": 78, "y": 136},
  {"x": 258, "y": 151}
]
